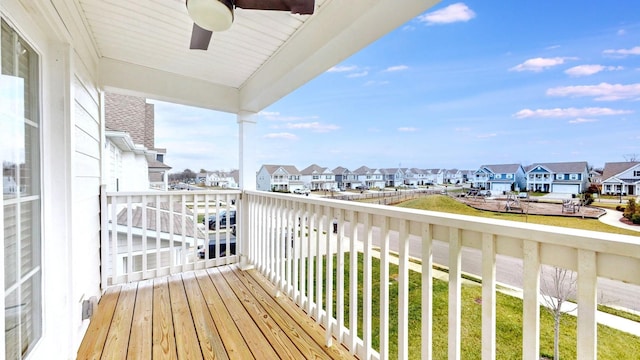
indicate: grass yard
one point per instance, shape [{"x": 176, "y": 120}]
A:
[
  {"x": 612, "y": 344},
  {"x": 446, "y": 204}
]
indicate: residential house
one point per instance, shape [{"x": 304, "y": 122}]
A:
[
  {"x": 164, "y": 243},
  {"x": 136, "y": 117},
  {"x": 126, "y": 164},
  {"x": 393, "y": 177},
  {"x": 59, "y": 57},
  {"x": 315, "y": 177},
  {"x": 370, "y": 178},
  {"x": 222, "y": 179},
  {"x": 415, "y": 177},
  {"x": 285, "y": 178},
  {"x": 564, "y": 177},
  {"x": 621, "y": 178},
  {"x": 433, "y": 176},
  {"x": 345, "y": 179},
  {"x": 500, "y": 178}
]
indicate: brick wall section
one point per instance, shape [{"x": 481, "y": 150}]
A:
[
  {"x": 127, "y": 113},
  {"x": 149, "y": 121}
]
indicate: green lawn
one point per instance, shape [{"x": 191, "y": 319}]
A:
[
  {"x": 446, "y": 204},
  {"x": 612, "y": 344}
]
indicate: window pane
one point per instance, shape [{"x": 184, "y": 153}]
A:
[
  {"x": 10, "y": 246},
  {"x": 20, "y": 156}
]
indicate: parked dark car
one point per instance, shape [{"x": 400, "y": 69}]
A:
[
  {"x": 224, "y": 221},
  {"x": 222, "y": 248}
]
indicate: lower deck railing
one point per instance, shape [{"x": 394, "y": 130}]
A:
[
  {"x": 306, "y": 247},
  {"x": 333, "y": 258}
]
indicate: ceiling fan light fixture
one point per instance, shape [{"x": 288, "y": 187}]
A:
[{"x": 213, "y": 15}]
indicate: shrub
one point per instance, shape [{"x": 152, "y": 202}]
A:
[
  {"x": 620, "y": 208},
  {"x": 588, "y": 198},
  {"x": 631, "y": 209},
  {"x": 635, "y": 218}
]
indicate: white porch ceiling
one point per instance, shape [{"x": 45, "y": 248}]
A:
[{"x": 143, "y": 48}]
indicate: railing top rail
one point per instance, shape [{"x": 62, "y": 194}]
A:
[{"x": 172, "y": 192}]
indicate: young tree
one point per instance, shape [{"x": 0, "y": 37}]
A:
[{"x": 557, "y": 288}]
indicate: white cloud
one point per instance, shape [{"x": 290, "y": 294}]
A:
[
  {"x": 568, "y": 112},
  {"x": 622, "y": 32},
  {"x": 343, "y": 68},
  {"x": 375, "y": 83},
  {"x": 586, "y": 70},
  {"x": 276, "y": 116},
  {"x": 601, "y": 92},
  {"x": 396, "y": 68},
  {"x": 359, "y": 74},
  {"x": 486, "y": 136},
  {"x": 314, "y": 126},
  {"x": 458, "y": 12},
  {"x": 283, "y": 136},
  {"x": 623, "y": 52},
  {"x": 407, "y": 129},
  {"x": 268, "y": 113},
  {"x": 582, "y": 121},
  {"x": 540, "y": 64},
  {"x": 462, "y": 129}
]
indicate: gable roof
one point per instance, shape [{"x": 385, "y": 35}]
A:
[
  {"x": 313, "y": 169},
  {"x": 290, "y": 169},
  {"x": 615, "y": 168},
  {"x": 502, "y": 168},
  {"x": 561, "y": 167},
  {"x": 362, "y": 170}
]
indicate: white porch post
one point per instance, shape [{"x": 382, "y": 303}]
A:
[
  {"x": 248, "y": 168},
  {"x": 246, "y": 181}
]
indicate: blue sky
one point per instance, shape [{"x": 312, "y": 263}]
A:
[{"x": 462, "y": 85}]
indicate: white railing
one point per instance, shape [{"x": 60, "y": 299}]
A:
[
  {"x": 291, "y": 240},
  {"x": 150, "y": 234}
]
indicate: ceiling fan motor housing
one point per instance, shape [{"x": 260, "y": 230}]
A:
[{"x": 212, "y": 15}]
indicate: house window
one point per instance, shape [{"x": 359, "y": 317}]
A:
[
  {"x": 509, "y": 176},
  {"x": 636, "y": 173},
  {"x": 573, "y": 176},
  {"x": 20, "y": 155}
]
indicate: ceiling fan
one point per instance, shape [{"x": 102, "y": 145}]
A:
[{"x": 217, "y": 15}]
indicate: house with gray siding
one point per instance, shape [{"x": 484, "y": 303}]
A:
[{"x": 563, "y": 177}]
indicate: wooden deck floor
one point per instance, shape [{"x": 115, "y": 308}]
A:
[{"x": 219, "y": 313}]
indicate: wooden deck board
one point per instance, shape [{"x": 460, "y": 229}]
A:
[
  {"x": 187, "y": 344},
  {"x": 141, "y": 327},
  {"x": 210, "y": 342},
  {"x": 257, "y": 343},
  {"x": 221, "y": 313},
  {"x": 96, "y": 335},
  {"x": 164, "y": 343},
  {"x": 304, "y": 329}
]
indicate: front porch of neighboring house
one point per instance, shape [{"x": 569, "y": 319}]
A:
[{"x": 292, "y": 284}]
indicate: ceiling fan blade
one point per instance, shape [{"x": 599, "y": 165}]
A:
[
  {"x": 200, "y": 38},
  {"x": 303, "y": 7}
]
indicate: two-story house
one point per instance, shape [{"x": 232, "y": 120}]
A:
[
  {"x": 501, "y": 177},
  {"x": 371, "y": 178},
  {"x": 564, "y": 177},
  {"x": 393, "y": 176},
  {"x": 278, "y": 178},
  {"x": 433, "y": 176},
  {"x": 345, "y": 179},
  {"x": 621, "y": 178},
  {"x": 315, "y": 177}
]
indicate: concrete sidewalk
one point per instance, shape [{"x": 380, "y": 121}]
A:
[{"x": 612, "y": 217}]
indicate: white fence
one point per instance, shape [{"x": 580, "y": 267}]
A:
[
  {"x": 305, "y": 245},
  {"x": 150, "y": 234},
  {"x": 291, "y": 240}
]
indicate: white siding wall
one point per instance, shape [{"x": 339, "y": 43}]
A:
[
  {"x": 71, "y": 152},
  {"x": 85, "y": 255}
]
